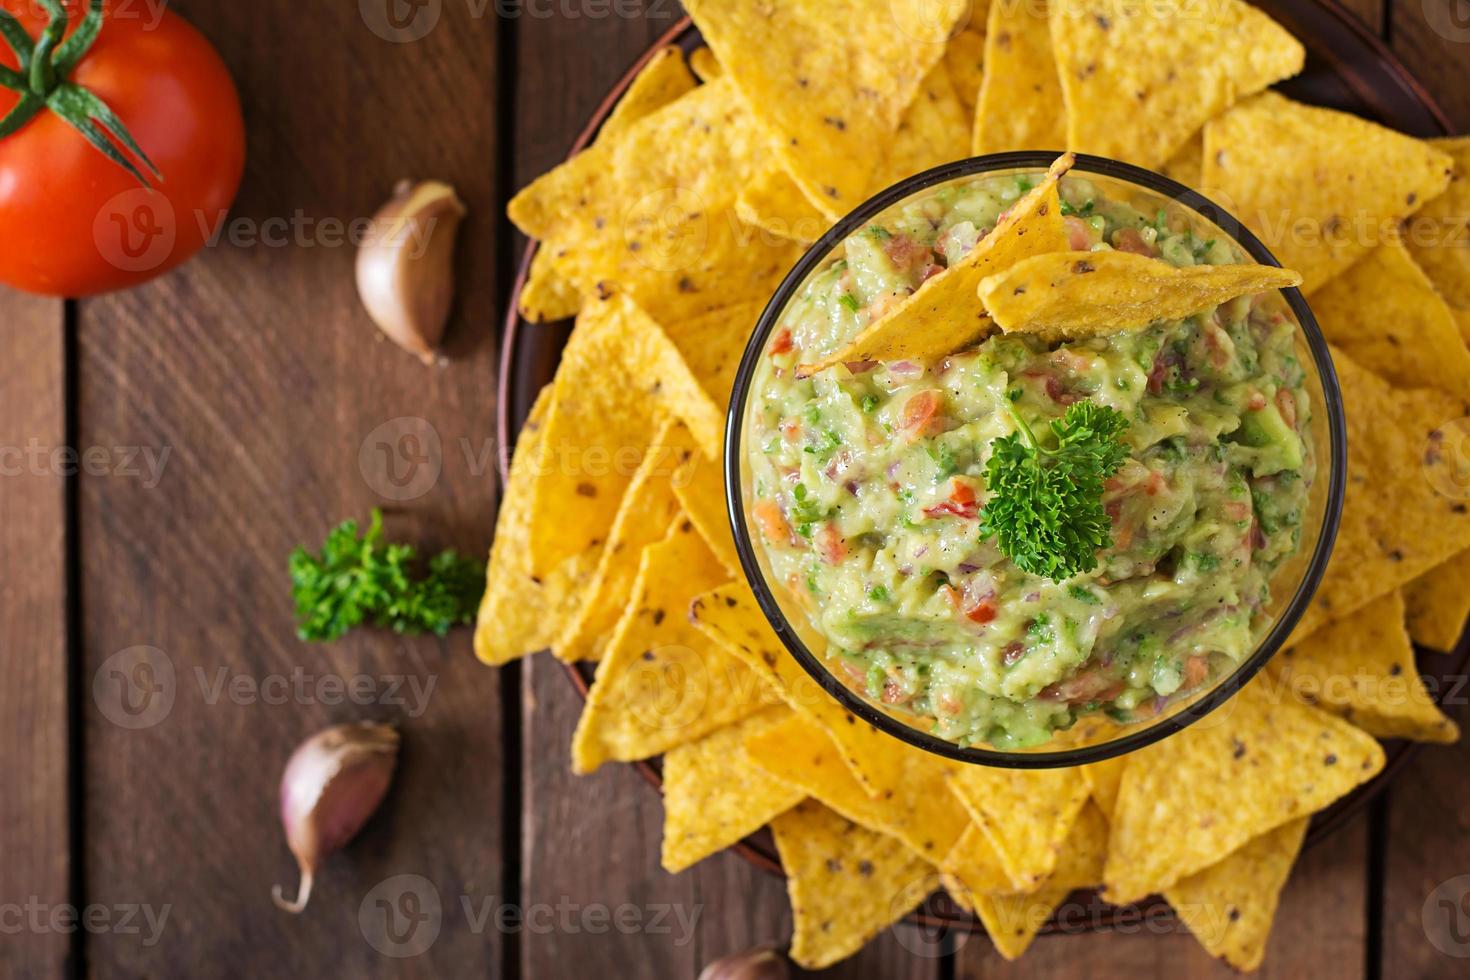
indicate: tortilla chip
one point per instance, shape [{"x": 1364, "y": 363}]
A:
[
  {"x": 714, "y": 795},
  {"x": 1439, "y": 603},
  {"x": 731, "y": 617},
  {"x": 1025, "y": 813},
  {"x": 773, "y": 203},
  {"x": 1401, "y": 479},
  {"x": 1385, "y": 312},
  {"x": 700, "y": 486},
  {"x": 1140, "y": 79},
  {"x": 705, "y": 65},
  {"x": 661, "y": 683},
  {"x": 944, "y": 314},
  {"x": 1362, "y": 668},
  {"x": 1230, "y": 906},
  {"x": 644, "y": 517},
  {"x": 846, "y": 883},
  {"x": 1320, "y": 188},
  {"x": 973, "y": 868},
  {"x": 1014, "y": 920},
  {"x": 1188, "y": 165},
  {"x": 932, "y": 130},
  {"x": 1462, "y": 317},
  {"x": 1103, "y": 779},
  {"x": 965, "y": 60},
  {"x": 1439, "y": 235},
  {"x": 916, "y": 808},
  {"x": 1082, "y": 294},
  {"x": 1191, "y": 799},
  {"x": 649, "y": 212},
  {"x": 619, "y": 375},
  {"x": 1019, "y": 103},
  {"x": 547, "y": 296},
  {"x": 854, "y": 81},
  {"x": 521, "y": 612},
  {"x": 712, "y": 344}
]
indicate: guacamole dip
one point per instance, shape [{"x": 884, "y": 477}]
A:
[{"x": 869, "y": 483}]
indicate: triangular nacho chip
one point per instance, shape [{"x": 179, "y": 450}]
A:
[
  {"x": 1362, "y": 668},
  {"x": 1438, "y": 603},
  {"x": 1385, "y": 312},
  {"x": 1187, "y": 165},
  {"x": 704, "y": 64},
  {"x": 1319, "y": 187},
  {"x": 661, "y": 683},
  {"x": 1026, "y": 814},
  {"x": 972, "y": 867},
  {"x": 772, "y": 202},
  {"x": 714, "y": 795},
  {"x": 1397, "y": 465},
  {"x": 1103, "y": 779},
  {"x": 931, "y": 131},
  {"x": 846, "y": 883},
  {"x": 1140, "y": 79},
  {"x": 730, "y": 616},
  {"x": 1191, "y": 799},
  {"x": 827, "y": 96},
  {"x": 521, "y": 612},
  {"x": 711, "y": 344},
  {"x": 1230, "y": 906},
  {"x": 1082, "y": 294},
  {"x": 915, "y": 808},
  {"x": 1020, "y": 98},
  {"x": 647, "y": 511},
  {"x": 965, "y": 60},
  {"x": 944, "y": 313},
  {"x": 1439, "y": 235},
  {"x": 700, "y": 486}
]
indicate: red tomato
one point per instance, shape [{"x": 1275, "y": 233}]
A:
[{"x": 73, "y": 222}]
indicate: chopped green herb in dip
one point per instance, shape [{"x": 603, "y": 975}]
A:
[{"x": 872, "y": 482}]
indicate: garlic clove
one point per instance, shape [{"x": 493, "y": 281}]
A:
[
  {"x": 405, "y": 266},
  {"x": 762, "y": 963},
  {"x": 332, "y": 784}
]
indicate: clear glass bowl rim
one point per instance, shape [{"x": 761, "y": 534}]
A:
[{"x": 1080, "y": 755}]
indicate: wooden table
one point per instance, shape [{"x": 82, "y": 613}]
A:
[{"x": 238, "y": 407}]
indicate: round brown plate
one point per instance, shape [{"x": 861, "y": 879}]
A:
[{"x": 1347, "y": 68}]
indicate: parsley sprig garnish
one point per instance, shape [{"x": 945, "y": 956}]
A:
[
  {"x": 357, "y": 580},
  {"x": 1045, "y": 508}
]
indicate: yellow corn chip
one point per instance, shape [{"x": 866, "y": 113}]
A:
[
  {"x": 1401, "y": 479},
  {"x": 714, "y": 795},
  {"x": 618, "y": 375},
  {"x": 649, "y": 211},
  {"x": 1014, "y": 920},
  {"x": 1019, "y": 106},
  {"x": 965, "y": 60},
  {"x": 730, "y": 616},
  {"x": 661, "y": 683},
  {"x": 705, "y": 65},
  {"x": 915, "y": 808},
  {"x": 700, "y": 486},
  {"x": 1462, "y": 317},
  {"x": 712, "y": 343},
  {"x": 1191, "y": 799},
  {"x": 772, "y": 202},
  {"x": 973, "y": 868},
  {"x": 1230, "y": 906},
  {"x": 846, "y": 883},
  {"x": 1025, "y": 813},
  {"x": 547, "y": 295},
  {"x": 1319, "y": 187},
  {"x": 1385, "y": 312},
  {"x": 1188, "y": 165},
  {"x": 1362, "y": 668},
  {"x": 1103, "y": 779},
  {"x": 644, "y": 517},
  {"x": 944, "y": 313},
  {"x": 1439, "y": 235},
  {"x": 828, "y": 97},
  {"x": 521, "y": 612},
  {"x": 932, "y": 130},
  {"x": 1439, "y": 603},
  {"x": 1082, "y": 294},
  {"x": 1140, "y": 79}
]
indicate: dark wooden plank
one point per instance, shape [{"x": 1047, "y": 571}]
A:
[
  {"x": 33, "y": 641},
  {"x": 1432, "y": 37},
  {"x": 258, "y": 373}
]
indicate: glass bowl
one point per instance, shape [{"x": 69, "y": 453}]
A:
[{"x": 1093, "y": 737}]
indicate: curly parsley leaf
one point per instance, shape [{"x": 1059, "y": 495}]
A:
[
  {"x": 358, "y": 580},
  {"x": 1045, "y": 509}
]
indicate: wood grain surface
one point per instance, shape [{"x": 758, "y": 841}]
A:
[{"x": 243, "y": 405}]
